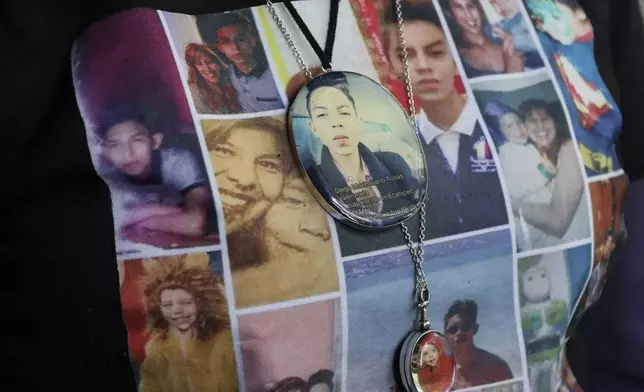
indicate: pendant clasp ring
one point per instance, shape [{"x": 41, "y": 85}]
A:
[{"x": 326, "y": 70}]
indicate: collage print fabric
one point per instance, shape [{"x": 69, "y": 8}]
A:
[{"x": 233, "y": 277}]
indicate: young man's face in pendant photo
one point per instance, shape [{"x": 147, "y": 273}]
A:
[
  {"x": 431, "y": 66},
  {"x": 335, "y": 121}
]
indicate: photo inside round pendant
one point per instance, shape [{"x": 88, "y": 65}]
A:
[
  {"x": 359, "y": 149},
  {"x": 433, "y": 363}
]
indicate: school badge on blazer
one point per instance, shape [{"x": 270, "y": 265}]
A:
[{"x": 481, "y": 158}]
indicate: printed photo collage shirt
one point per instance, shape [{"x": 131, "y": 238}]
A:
[{"x": 234, "y": 278}]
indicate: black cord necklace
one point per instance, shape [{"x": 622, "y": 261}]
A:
[
  {"x": 336, "y": 124},
  {"x": 327, "y": 54}
]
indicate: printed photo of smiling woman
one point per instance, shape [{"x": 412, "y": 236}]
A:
[{"x": 250, "y": 160}]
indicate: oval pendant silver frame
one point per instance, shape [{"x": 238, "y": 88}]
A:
[
  {"x": 411, "y": 348},
  {"x": 397, "y": 188}
]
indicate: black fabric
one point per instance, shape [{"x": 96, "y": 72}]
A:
[
  {"x": 61, "y": 312},
  {"x": 619, "y": 53},
  {"x": 330, "y": 34},
  {"x": 63, "y": 327},
  {"x": 325, "y": 55}
]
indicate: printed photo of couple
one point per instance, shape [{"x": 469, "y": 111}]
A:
[
  {"x": 295, "y": 349},
  {"x": 539, "y": 161},
  {"x": 567, "y": 37},
  {"x": 464, "y": 191},
  {"x": 492, "y": 36},
  {"x": 549, "y": 286},
  {"x": 224, "y": 62},
  {"x": 482, "y": 329},
  {"x": 278, "y": 235},
  {"x": 175, "y": 310},
  {"x": 142, "y": 138}
]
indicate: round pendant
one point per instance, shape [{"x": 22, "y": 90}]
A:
[
  {"x": 358, "y": 150},
  {"x": 427, "y": 362}
]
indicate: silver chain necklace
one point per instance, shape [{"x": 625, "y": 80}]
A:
[
  {"x": 416, "y": 250},
  {"x": 413, "y": 345}
]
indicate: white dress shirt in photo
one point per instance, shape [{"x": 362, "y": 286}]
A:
[{"x": 448, "y": 140}]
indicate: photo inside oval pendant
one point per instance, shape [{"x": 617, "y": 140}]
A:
[
  {"x": 358, "y": 149},
  {"x": 432, "y": 363}
]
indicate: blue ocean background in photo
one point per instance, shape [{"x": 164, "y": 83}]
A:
[{"x": 381, "y": 311}]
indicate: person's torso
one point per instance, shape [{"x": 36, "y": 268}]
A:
[{"x": 352, "y": 327}]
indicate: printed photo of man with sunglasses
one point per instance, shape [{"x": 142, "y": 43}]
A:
[{"x": 475, "y": 366}]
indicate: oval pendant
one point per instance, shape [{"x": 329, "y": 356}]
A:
[
  {"x": 427, "y": 362},
  {"x": 358, "y": 150}
]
